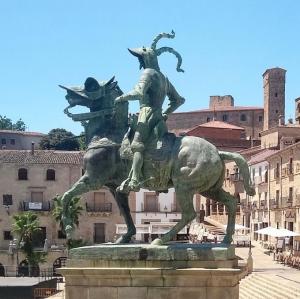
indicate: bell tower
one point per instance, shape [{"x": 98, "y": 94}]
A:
[{"x": 274, "y": 96}]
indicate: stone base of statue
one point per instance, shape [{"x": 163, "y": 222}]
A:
[{"x": 178, "y": 271}]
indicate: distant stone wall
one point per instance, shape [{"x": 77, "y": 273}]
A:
[{"x": 221, "y": 101}]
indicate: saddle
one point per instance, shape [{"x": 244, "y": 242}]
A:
[{"x": 157, "y": 159}]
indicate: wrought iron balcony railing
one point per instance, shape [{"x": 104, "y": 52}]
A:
[
  {"x": 102, "y": 208},
  {"x": 35, "y": 206}
]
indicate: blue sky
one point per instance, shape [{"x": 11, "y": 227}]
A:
[{"x": 225, "y": 45}]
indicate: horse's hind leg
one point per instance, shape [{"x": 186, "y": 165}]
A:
[
  {"x": 122, "y": 201},
  {"x": 185, "y": 200},
  {"x": 231, "y": 204}
]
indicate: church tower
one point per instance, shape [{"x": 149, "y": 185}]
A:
[{"x": 274, "y": 96}]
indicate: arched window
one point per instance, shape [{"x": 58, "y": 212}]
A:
[
  {"x": 50, "y": 175},
  {"x": 22, "y": 174}
]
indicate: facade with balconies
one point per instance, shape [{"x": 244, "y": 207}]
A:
[
  {"x": 284, "y": 189},
  {"x": 30, "y": 179}
]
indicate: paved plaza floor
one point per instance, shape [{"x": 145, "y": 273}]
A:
[{"x": 264, "y": 263}]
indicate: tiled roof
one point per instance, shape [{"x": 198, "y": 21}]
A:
[
  {"x": 220, "y": 125},
  {"x": 230, "y": 108},
  {"x": 41, "y": 157},
  {"x": 24, "y": 133},
  {"x": 261, "y": 156}
]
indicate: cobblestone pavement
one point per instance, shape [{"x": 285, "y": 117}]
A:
[{"x": 264, "y": 263}]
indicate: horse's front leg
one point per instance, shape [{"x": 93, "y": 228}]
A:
[{"x": 81, "y": 186}]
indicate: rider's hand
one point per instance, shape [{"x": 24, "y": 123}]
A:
[
  {"x": 119, "y": 99},
  {"x": 165, "y": 116}
]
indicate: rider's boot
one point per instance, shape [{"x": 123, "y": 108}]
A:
[{"x": 137, "y": 163}]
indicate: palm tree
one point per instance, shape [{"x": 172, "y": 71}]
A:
[
  {"x": 25, "y": 225},
  {"x": 74, "y": 211}
]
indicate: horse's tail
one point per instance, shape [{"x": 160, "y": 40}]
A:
[{"x": 243, "y": 169}]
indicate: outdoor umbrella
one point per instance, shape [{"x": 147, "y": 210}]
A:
[
  {"x": 270, "y": 231},
  {"x": 288, "y": 233}
]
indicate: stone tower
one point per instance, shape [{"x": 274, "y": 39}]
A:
[
  {"x": 297, "y": 110},
  {"x": 274, "y": 96}
]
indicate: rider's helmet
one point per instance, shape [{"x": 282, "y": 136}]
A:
[{"x": 148, "y": 55}]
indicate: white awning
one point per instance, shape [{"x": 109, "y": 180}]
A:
[{"x": 276, "y": 232}]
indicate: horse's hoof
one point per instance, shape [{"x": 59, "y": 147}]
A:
[
  {"x": 123, "y": 240},
  {"x": 157, "y": 242}
]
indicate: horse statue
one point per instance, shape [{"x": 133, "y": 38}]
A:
[{"x": 189, "y": 164}]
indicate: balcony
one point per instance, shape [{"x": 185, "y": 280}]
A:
[
  {"x": 236, "y": 177},
  {"x": 35, "y": 206},
  {"x": 286, "y": 202},
  {"x": 274, "y": 204},
  {"x": 254, "y": 205},
  {"x": 99, "y": 208},
  {"x": 263, "y": 205}
]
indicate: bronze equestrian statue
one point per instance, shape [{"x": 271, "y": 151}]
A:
[{"x": 189, "y": 164}]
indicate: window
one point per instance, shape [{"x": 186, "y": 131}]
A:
[
  {"x": 61, "y": 234},
  {"x": 277, "y": 196},
  {"x": 7, "y": 199},
  {"x": 259, "y": 171},
  {"x": 291, "y": 194},
  {"x": 260, "y": 118},
  {"x": 22, "y": 174},
  {"x": 12, "y": 141},
  {"x": 50, "y": 175},
  {"x": 7, "y": 235},
  {"x": 3, "y": 141},
  {"x": 151, "y": 202},
  {"x": 225, "y": 117},
  {"x": 276, "y": 94},
  {"x": 277, "y": 171},
  {"x": 208, "y": 119},
  {"x": 243, "y": 117}
]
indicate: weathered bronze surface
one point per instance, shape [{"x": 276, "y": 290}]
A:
[{"x": 189, "y": 164}]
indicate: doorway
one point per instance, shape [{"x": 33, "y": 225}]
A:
[{"x": 99, "y": 233}]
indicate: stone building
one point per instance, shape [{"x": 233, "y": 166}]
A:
[
  {"x": 19, "y": 140},
  {"x": 221, "y": 108},
  {"x": 284, "y": 188},
  {"x": 30, "y": 179},
  {"x": 252, "y": 119}
]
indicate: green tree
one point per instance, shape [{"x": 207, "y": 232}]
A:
[
  {"x": 7, "y": 124},
  {"x": 74, "y": 211},
  {"x": 81, "y": 140},
  {"x": 60, "y": 139},
  {"x": 25, "y": 225}
]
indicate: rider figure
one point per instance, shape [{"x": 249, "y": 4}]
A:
[{"x": 151, "y": 91}]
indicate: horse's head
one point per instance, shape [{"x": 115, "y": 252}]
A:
[{"x": 92, "y": 94}]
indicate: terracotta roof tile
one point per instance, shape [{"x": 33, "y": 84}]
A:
[
  {"x": 230, "y": 108},
  {"x": 221, "y": 125},
  {"x": 41, "y": 157},
  {"x": 24, "y": 133},
  {"x": 261, "y": 156}
]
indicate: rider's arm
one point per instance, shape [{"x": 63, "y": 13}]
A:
[
  {"x": 138, "y": 92},
  {"x": 175, "y": 99}
]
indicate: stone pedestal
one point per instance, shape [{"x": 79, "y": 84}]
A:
[{"x": 179, "y": 271}]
